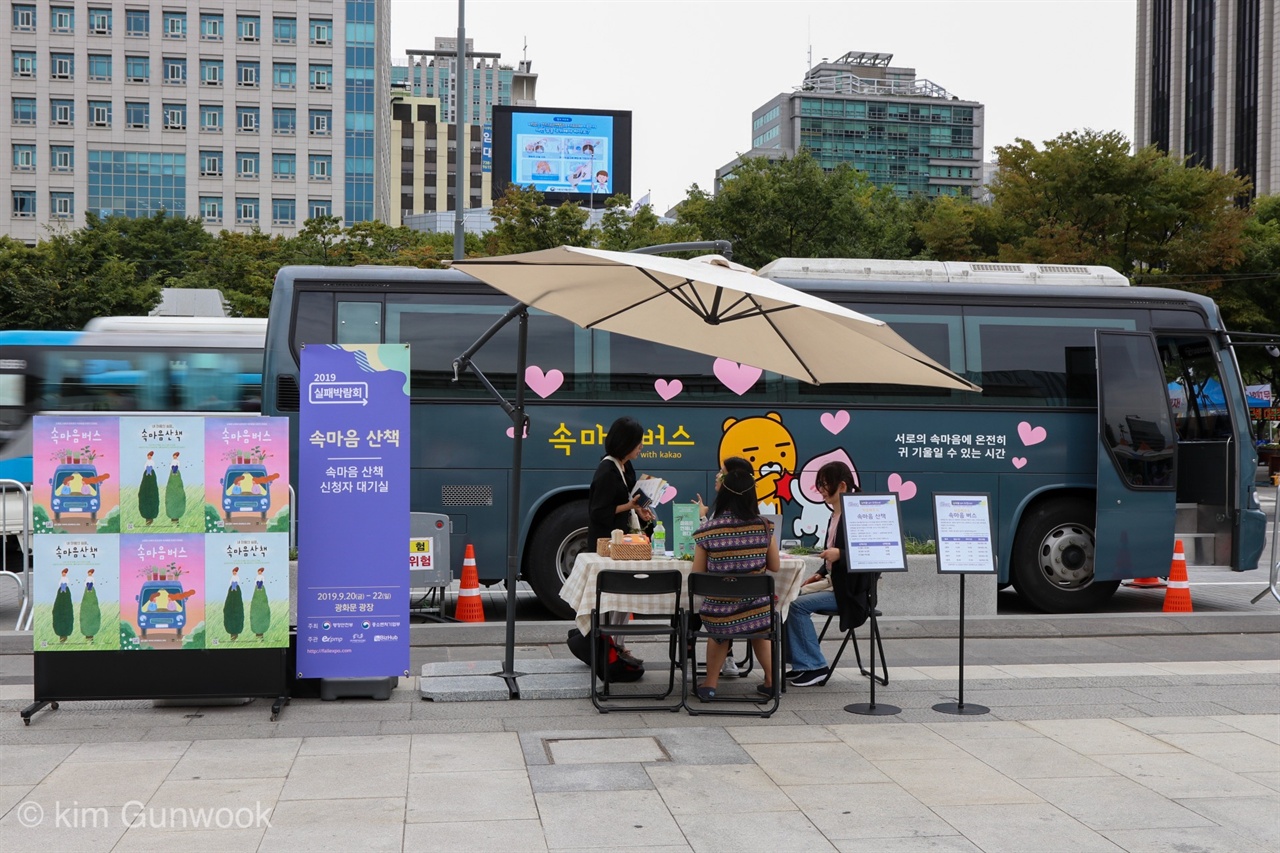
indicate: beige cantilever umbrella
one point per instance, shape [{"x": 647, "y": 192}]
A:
[{"x": 713, "y": 309}]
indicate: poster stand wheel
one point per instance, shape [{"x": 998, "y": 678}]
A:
[{"x": 28, "y": 712}]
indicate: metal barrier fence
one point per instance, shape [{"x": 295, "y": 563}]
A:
[{"x": 15, "y": 520}]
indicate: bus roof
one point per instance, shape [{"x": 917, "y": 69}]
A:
[
  {"x": 179, "y": 325},
  {"x": 23, "y": 337},
  {"x": 939, "y": 272}
]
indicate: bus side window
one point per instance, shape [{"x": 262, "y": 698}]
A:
[
  {"x": 314, "y": 320},
  {"x": 359, "y": 322}
]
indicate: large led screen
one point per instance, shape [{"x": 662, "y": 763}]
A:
[{"x": 578, "y": 155}]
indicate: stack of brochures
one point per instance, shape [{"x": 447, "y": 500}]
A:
[{"x": 649, "y": 490}]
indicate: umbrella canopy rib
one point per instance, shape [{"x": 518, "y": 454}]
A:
[
  {"x": 678, "y": 293},
  {"x": 799, "y": 360}
]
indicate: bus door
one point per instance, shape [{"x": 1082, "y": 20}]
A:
[{"x": 1137, "y": 460}]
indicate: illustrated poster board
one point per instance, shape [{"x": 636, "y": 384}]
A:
[
  {"x": 962, "y": 529},
  {"x": 873, "y": 538}
]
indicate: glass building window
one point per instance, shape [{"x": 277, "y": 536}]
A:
[
  {"x": 137, "y": 183},
  {"x": 175, "y": 71},
  {"x": 247, "y": 119},
  {"x": 284, "y": 30},
  {"x": 24, "y": 111},
  {"x": 100, "y": 113},
  {"x": 24, "y": 18},
  {"x": 24, "y": 158},
  {"x": 211, "y": 27},
  {"x": 62, "y": 158},
  {"x": 321, "y": 77},
  {"x": 284, "y": 211},
  {"x": 137, "y": 114},
  {"x": 319, "y": 207},
  {"x": 284, "y": 75},
  {"x": 175, "y": 116},
  {"x": 62, "y": 19},
  {"x": 137, "y": 69},
  {"x": 211, "y": 208},
  {"x": 248, "y": 28},
  {"x": 62, "y": 112},
  {"x": 24, "y": 63},
  {"x": 210, "y": 164},
  {"x": 248, "y": 74},
  {"x": 24, "y": 204},
  {"x": 246, "y": 211},
  {"x": 62, "y": 205},
  {"x": 320, "y": 122},
  {"x": 320, "y": 167},
  {"x": 211, "y": 118},
  {"x": 247, "y": 164},
  {"x": 99, "y": 22},
  {"x": 284, "y": 167},
  {"x": 284, "y": 121},
  {"x": 211, "y": 72},
  {"x": 62, "y": 66},
  {"x": 137, "y": 23},
  {"x": 175, "y": 25},
  {"x": 321, "y": 32},
  {"x": 100, "y": 67}
]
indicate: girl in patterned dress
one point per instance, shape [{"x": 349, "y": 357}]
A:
[{"x": 735, "y": 540}]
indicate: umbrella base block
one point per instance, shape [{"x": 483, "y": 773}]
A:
[{"x": 479, "y": 681}]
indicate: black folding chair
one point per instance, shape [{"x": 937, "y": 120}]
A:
[
  {"x": 671, "y": 626},
  {"x": 746, "y": 588},
  {"x": 849, "y": 636}
]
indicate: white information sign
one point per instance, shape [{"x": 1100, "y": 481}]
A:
[
  {"x": 873, "y": 533},
  {"x": 962, "y": 525}
]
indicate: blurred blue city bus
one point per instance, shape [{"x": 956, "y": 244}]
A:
[
  {"x": 1091, "y": 472},
  {"x": 125, "y": 365}
]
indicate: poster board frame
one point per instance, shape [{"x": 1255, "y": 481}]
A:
[{"x": 887, "y": 526}]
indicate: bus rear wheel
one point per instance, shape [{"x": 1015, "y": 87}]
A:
[
  {"x": 556, "y": 543},
  {"x": 1053, "y": 558}
]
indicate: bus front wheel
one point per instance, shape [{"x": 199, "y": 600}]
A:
[
  {"x": 1053, "y": 558},
  {"x": 556, "y": 543}
]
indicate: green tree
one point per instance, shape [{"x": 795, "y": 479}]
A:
[
  {"x": 524, "y": 222},
  {"x": 241, "y": 265},
  {"x": 621, "y": 230}
]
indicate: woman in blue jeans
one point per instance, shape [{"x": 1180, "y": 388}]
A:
[{"x": 808, "y": 666}]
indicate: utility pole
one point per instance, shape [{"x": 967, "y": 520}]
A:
[{"x": 462, "y": 150}]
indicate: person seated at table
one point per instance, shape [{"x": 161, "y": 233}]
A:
[
  {"x": 731, "y": 463},
  {"x": 736, "y": 540}
]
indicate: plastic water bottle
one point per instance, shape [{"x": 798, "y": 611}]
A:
[{"x": 659, "y": 540}]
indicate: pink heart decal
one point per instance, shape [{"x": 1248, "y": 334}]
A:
[
  {"x": 836, "y": 422},
  {"x": 543, "y": 384},
  {"x": 1031, "y": 435},
  {"x": 666, "y": 390},
  {"x": 905, "y": 489},
  {"x": 738, "y": 378},
  {"x": 809, "y": 473},
  {"x": 669, "y": 495},
  {"x": 511, "y": 432},
  {"x": 1019, "y": 462}
]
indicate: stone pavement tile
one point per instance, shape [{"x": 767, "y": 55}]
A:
[
  {"x": 1064, "y": 697},
  {"x": 178, "y": 800},
  {"x": 607, "y": 819},
  {"x": 317, "y": 728},
  {"x": 470, "y": 795},
  {"x": 558, "y": 708},
  {"x": 355, "y": 745},
  {"x": 478, "y": 836},
  {"x": 27, "y": 764},
  {"x": 334, "y": 777},
  {"x": 1208, "y": 667},
  {"x": 1208, "y": 839},
  {"x": 781, "y": 734},
  {"x": 875, "y": 810},
  {"x": 101, "y": 783},
  {"x": 1239, "y": 752},
  {"x": 1017, "y": 828},
  {"x": 717, "y": 789},
  {"x": 1113, "y": 802},
  {"x": 1027, "y": 713},
  {"x": 1270, "y": 778},
  {"x": 414, "y": 727},
  {"x": 591, "y": 777},
  {"x": 1207, "y": 693},
  {"x": 1037, "y": 670},
  {"x": 948, "y": 673},
  {"x": 931, "y": 844},
  {"x": 1099, "y": 737},
  {"x": 77, "y": 832},
  {"x": 1256, "y": 818},
  {"x": 245, "y": 759},
  {"x": 468, "y": 688},
  {"x": 1124, "y": 670},
  {"x": 912, "y": 740},
  {"x": 112, "y": 752},
  {"x": 601, "y": 723},
  {"x": 1024, "y": 758},
  {"x": 336, "y": 826},
  {"x": 344, "y": 711},
  {"x": 707, "y": 745},
  {"x": 616, "y": 750},
  {"x": 1178, "y": 776},
  {"x": 813, "y": 763},
  {"x": 1269, "y": 666},
  {"x": 17, "y": 692},
  {"x": 955, "y": 781},
  {"x": 465, "y": 751},
  {"x": 1161, "y": 724},
  {"x": 11, "y": 795},
  {"x": 232, "y": 840},
  {"x": 983, "y": 726},
  {"x": 744, "y": 829}
]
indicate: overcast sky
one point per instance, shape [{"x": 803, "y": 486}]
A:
[{"x": 691, "y": 71}]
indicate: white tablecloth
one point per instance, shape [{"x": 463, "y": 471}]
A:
[{"x": 580, "y": 589}]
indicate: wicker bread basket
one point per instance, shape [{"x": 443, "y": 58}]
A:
[
  {"x": 602, "y": 546},
  {"x": 631, "y": 551}
]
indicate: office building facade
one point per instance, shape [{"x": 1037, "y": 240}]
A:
[
  {"x": 1208, "y": 85},
  {"x": 246, "y": 114},
  {"x": 904, "y": 132}
]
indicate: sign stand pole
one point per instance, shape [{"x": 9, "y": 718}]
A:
[
  {"x": 871, "y": 709},
  {"x": 959, "y": 707}
]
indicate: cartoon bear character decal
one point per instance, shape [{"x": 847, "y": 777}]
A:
[{"x": 769, "y": 447}]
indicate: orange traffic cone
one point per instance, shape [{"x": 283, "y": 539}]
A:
[
  {"x": 470, "y": 607},
  {"x": 1145, "y": 583},
  {"x": 1177, "y": 598}
]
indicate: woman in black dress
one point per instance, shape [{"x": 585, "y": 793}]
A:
[{"x": 609, "y": 503}]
